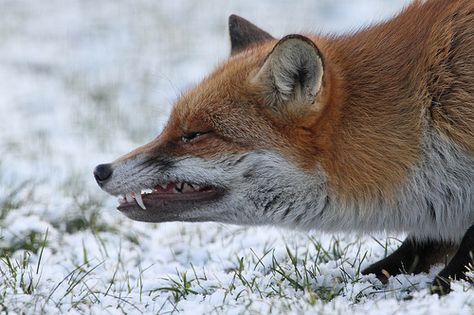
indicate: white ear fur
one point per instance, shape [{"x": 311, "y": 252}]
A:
[{"x": 292, "y": 73}]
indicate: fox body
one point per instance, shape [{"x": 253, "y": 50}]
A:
[{"x": 367, "y": 131}]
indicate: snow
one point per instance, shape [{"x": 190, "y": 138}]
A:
[{"x": 82, "y": 82}]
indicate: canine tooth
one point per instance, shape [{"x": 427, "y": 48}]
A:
[
  {"x": 187, "y": 188},
  {"x": 163, "y": 186},
  {"x": 196, "y": 187},
  {"x": 147, "y": 191},
  {"x": 139, "y": 200},
  {"x": 129, "y": 197},
  {"x": 121, "y": 199}
]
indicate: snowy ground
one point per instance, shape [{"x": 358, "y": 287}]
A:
[{"x": 82, "y": 82}]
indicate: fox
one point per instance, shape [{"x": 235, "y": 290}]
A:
[{"x": 366, "y": 131}]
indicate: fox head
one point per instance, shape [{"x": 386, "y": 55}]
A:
[{"x": 241, "y": 147}]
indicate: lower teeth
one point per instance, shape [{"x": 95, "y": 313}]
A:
[{"x": 137, "y": 196}]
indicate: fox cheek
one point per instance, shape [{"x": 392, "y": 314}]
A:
[{"x": 164, "y": 163}]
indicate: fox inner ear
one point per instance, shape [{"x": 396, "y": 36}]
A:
[
  {"x": 291, "y": 76},
  {"x": 243, "y": 34}
]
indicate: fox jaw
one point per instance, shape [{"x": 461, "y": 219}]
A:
[{"x": 221, "y": 157}]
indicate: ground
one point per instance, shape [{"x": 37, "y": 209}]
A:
[{"x": 82, "y": 82}]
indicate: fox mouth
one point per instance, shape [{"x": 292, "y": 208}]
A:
[
  {"x": 170, "y": 192},
  {"x": 149, "y": 204}
]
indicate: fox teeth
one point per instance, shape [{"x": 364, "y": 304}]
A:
[
  {"x": 129, "y": 197},
  {"x": 187, "y": 188},
  {"x": 139, "y": 200},
  {"x": 121, "y": 199}
]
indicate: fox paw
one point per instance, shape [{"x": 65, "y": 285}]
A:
[{"x": 441, "y": 285}]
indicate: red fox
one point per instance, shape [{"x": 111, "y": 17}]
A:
[{"x": 367, "y": 131}]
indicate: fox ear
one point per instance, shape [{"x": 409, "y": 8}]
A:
[
  {"x": 292, "y": 74},
  {"x": 243, "y": 34}
]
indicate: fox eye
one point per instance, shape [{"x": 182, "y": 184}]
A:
[{"x": 191, "y": 136}]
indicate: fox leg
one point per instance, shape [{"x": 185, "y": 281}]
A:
[
  {"x": 412, "y": 256},
  {"x": 457, "y": 267}
]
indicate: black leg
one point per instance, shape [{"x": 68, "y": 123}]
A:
[
  {"x": 411, "y": 257},
  {"x": 457, "y": 266}
]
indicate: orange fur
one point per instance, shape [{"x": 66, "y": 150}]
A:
[{"x": 366, "y": 131}]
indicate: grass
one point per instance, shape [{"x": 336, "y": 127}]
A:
[
  {"x": 14, "y": 195},
  {"x": 301, "y": 276},
  {"x": 31, "y": 242},
  {"x": 20, "y": 275},
  {"x": 295, "y": 274},
  {"x": 294, "y": 277},
  {"x": 86, "y": 216}
]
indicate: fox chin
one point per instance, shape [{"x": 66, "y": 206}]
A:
[{"x": 368, "y": 131}]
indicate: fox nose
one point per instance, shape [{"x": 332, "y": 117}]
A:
[{"x": 102, "y": 172}]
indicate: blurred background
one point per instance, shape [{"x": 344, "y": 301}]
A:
[{"x": 84, "y": 81}]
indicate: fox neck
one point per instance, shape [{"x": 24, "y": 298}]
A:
[
  {"x": 430, "y": 204},
  {"x": 384, "y": 159},
  {"x": 377, "y": 111}
]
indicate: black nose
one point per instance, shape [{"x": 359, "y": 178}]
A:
[{"x": 102, "y": 172}]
